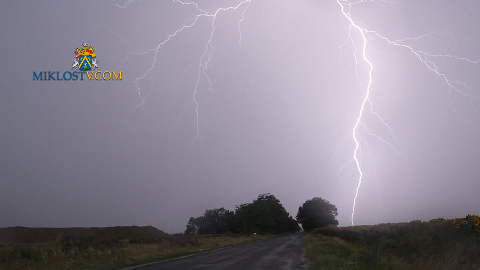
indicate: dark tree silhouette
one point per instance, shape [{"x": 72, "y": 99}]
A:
[
  {"x": 213, "y": 221},
  {"x": 316, "y": 213},
  {"x": 264, "y": 215}
]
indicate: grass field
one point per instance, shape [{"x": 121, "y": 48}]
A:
[
  {"x": 436, "y": 244},
  {"x": 89, "y": 254}
]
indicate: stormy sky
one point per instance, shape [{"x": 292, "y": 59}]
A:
[{"x": 278, "y": 95}]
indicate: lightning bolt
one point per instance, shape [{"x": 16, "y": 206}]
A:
[
  {"x": 366, "y": 35},
  {"x": 365, "y": 100},
  {"x": 424, "y": 57},
  {"x": 204, "y": 60}
]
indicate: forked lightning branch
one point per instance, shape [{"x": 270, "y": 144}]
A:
[
  {"x": 84, "y": 68},
  {"x": 362, "y": 44}
]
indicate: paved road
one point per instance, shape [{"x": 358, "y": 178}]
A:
[{"x": 278, "y": 253}]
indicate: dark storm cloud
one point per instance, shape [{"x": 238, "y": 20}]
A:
[{"x": 278, "y": 119}]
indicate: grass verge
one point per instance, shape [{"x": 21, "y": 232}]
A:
[
  {"x": 325, "y": 252},
  {"x": 94, "y": 254},
  {"x": 438, "y": 244}
]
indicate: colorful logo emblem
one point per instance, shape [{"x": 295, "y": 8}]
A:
[
  {"x": 86, "y": 66},
  {"x": 85, "y": 58}
]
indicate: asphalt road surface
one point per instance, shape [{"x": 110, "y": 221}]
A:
[{"x": 277, "y": 253}]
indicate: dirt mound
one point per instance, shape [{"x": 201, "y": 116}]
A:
[{"x": 24, "y": 235}]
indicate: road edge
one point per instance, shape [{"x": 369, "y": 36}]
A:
[{"x": 195, "y": 254}]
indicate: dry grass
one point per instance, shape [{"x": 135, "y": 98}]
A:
[
  {"x": 333, "y": 253},
  {"x": 438, "y": 244},
  {"x": 93, "y": 254}
]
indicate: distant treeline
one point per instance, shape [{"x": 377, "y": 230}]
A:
[{"x": 263, "y": 215}]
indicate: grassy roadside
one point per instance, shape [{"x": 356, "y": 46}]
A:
[
  {"x": 437, "y": 244},
  {"x": 106, "y": 255},
  {"x": 325, "y": 252}
]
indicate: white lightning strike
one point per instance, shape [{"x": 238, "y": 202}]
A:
[
  {"x": 345, "y": 7},
  {"x": 362, "y": 107},
  {"x": 205, "y": 58},
  {"x": 239, "y": 23},
  {"x": 423, "y": 57}
]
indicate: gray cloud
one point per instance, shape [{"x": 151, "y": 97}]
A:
[{"x": 278, "y": 118}]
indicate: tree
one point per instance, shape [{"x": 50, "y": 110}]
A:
[
  {"x": 216, "y": 221},
  {"x": 213, "y": 221},
  {"x": 316, "y": 213},
  {"x": 264, "y": 215},
  {"x": 192, "y": 226}
]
